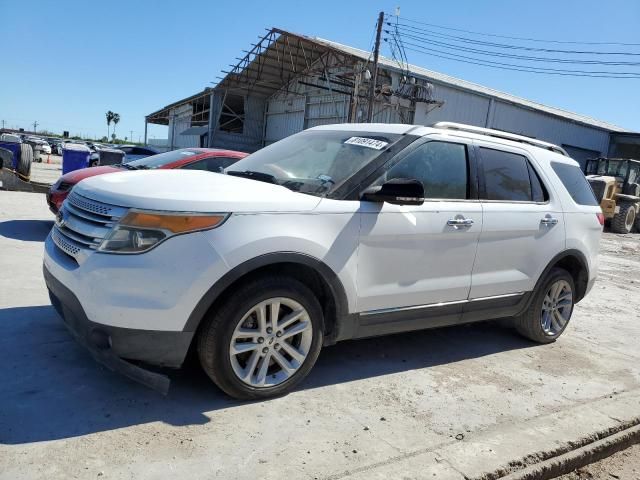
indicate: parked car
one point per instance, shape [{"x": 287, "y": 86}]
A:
[
  {"x": 212, "y": 160},
  {"x": 45, "y": 147},
  {"x": 134, "y": 152},
  {"x": 56, "y": 147},
  {"x": 337, "y": 232}
]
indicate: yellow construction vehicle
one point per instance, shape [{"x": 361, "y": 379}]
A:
[{"x": 616, "y": 184}]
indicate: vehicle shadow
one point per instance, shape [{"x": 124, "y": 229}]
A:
[
  {"x": 26, "y": 230},
  {"x": 50, "y": 388}
]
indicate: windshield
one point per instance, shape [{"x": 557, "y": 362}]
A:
[
  {"x": 315, "y": 161},
  {"x": 617, "y": 168},
  {"x": 162, "y": 159}
]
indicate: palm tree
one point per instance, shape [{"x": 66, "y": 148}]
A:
[
  {"x": 110, "y": 115},
  {"x": 115, "y": 119}
]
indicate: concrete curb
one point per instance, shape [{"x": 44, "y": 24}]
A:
[
  {"x": 540, "y": 448},
  {"x": 581, "y": 456}
]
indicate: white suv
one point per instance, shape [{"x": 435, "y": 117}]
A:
[{"x": 335, "y": 233}]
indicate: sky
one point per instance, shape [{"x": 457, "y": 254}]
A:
[{"x": 64, "y": 63}]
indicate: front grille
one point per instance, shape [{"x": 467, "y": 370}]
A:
[{"x": 83, "y": 223}]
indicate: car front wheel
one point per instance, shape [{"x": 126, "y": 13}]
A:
[{"x": 262, "y": 340}]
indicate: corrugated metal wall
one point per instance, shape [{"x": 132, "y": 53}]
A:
[
  {"x": 311, "y": 101},
  {"x": 325, "y": 109},
  {"x": 306, "y": 106},
  {"x": 250, "y": 139},
  {"x": 516, "y": 119},
  {"x": 285, "y": 116},
  {"x": 459, "y": 106},
  {"x": 473, "y": 109},
  {"x": 179, "y": 121}
]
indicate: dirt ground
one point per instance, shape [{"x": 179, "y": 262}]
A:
[
  {"x": 624, "y": 465},
  {"x": 448, "y": 403},
  {"x": 47, "y": 172}
]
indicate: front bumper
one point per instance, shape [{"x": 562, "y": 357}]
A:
[{"x": 111, "y": 345}]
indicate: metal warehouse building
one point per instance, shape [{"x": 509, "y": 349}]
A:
[{"x": 288, "y": 82}]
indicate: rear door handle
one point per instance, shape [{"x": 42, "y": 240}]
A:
[
  {"x": 549, "y": 221},
  {"x": 460, "y": 222}
]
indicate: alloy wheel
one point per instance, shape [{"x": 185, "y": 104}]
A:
[
  {"x": 271, "y": 342},
  {"x": 556, "y": 307}
]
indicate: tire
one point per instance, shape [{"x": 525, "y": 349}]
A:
[
  {"x": 6, "y": 158},
  {"x": 546, "y": 329},
  {"x": 237, "y": 315},
  {"x": 24, "y": 164},
  {"x": 624, "y": 220}
]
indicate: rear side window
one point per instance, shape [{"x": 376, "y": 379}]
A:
[
  {"x": 575, "y": 182},
  {"x": 506, "y": 177}
]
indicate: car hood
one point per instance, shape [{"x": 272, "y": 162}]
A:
[
  {"x": 193, "y": 191},
  {"x": 77, "y": 175}
]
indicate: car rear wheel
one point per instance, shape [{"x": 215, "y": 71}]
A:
[
  {"x": 550, "y": 309},
  {"x": 263, "y": 340}
]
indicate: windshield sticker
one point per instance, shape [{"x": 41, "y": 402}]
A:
[{"x": 367, "y": 142}]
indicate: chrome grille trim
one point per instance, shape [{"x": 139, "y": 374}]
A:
[
  {"x": 89, "y": 229},
  {"x": 68, "y": 247},
  {"x": 92, "y": 206},
  {"x": 87, "y": 215},
  {"x": 85, "y": 224}
]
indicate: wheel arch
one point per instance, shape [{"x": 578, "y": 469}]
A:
[
  {"x": 314, "y": 273},
  {"x": 574, "y": 262}
]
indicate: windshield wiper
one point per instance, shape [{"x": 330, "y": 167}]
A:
[
  {"x": 253, "y": 175},
  {"x": 126, "y": 165}
]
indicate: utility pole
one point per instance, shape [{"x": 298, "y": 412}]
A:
[
  {"x": 3, "y": 124},
  {"x": 131, "y": 136},
  {"x": 374, "y": 74},
  {"x": 35, "y": 125}
]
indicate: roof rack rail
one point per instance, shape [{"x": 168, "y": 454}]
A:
[{"x": 500, "y": 134}]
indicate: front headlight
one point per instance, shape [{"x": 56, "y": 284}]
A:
[{"x": 139, "y": 231}]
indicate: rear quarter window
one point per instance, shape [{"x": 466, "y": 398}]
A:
[{"x": 575, "y": 182}]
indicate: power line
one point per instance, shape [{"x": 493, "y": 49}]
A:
[
  {"x": 569, "y": 42},
  {"x": 427, "y": 32},
  {"x": 513, "y": 67},
  {"x": 513, "y": 55}
]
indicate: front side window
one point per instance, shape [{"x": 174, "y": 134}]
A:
[
  {"x": 506, "y": 176},
  {"x": 316, "y": 162},
  {"x": 441, "y": 167}
]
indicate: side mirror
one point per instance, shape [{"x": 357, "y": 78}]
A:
[{"x": 399, "y": 191}]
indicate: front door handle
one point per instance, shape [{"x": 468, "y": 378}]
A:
[
  {"x": 549, "y": 221},
  {"x": 460, "y": 222}
]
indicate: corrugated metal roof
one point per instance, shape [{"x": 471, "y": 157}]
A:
[{"x": 436, "y": 77}]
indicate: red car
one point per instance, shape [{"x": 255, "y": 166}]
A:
[{"x": 208, "y": 159}]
